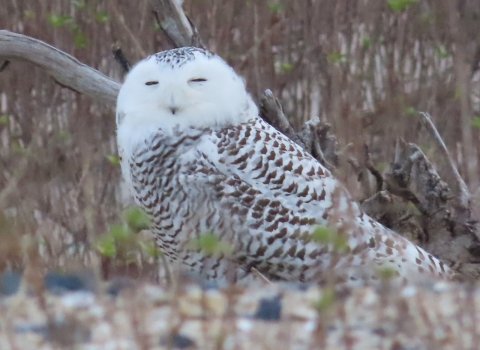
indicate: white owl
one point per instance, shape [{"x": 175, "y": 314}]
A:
[{"x": 199, "y": 159}]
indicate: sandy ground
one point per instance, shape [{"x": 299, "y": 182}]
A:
[{"x": 70, "y": 313}]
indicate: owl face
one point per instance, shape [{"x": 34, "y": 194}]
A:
[{"x": 185, "y": 87}]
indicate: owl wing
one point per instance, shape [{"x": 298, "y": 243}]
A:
[{"x": 281, "y": 193}]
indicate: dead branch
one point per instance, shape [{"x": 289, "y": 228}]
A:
[
  {"x": 272, "y": 112},
  {"x": 413, "y": 178},
  {"x": 369, "y": 165},
  {"x": 438, "y": 226},
  {"x": 65, "y": 69},
  {"x": 314, "y": 136},
  {"x": 459, "y": 187},
  {"x": 175, "y": 24}
]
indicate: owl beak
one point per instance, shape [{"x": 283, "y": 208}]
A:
[{"x": 173, "y": 105}]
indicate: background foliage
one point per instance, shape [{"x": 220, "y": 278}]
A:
[{"x": 365, "y": 66}]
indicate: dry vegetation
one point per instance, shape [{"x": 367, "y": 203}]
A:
[{"x": 365, "y": 67}]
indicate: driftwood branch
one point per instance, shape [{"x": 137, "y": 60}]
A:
[
  {"x": 175, "y": 24},
  {"x": 65, "y": 69}
]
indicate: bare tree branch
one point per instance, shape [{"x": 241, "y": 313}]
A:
[
  {"x": 64, "y": 68},
  {"x": 175, "y": 24},
  {"x": 313, "y": 137},
  {"x": 369, "y": 165},
  {"x": 272, "y": 112}
]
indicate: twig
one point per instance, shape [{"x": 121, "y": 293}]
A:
[
  {"x": 356, "y": 168},
  {"x": 318, "y": 150},
  {"x": 369, "y": 165},
  {"x": 120, "y": 57},
  {"x": 119, "y": 17},
  {"x": 459, "y": 186},
  {"x": 259, "y": 274},
  {"x": 4, "y": 65},
  {"x": 64, "y": 68}
]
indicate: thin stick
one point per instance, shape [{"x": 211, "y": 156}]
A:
[
  {"x": 4, "y": 65},
  {"x": 262, "y": 277},
  {"x": 369, "y": 165},
  {"x": 460, "y": 186}
]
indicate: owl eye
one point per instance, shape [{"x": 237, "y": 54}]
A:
[
  {"x": 151, "y": 83},
  {"x": 197, "y": 80}
]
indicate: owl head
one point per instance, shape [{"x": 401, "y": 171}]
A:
[{"x": 185, "y": 87}]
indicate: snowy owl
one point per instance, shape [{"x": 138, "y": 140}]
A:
[{"x": 199, "y": 159}]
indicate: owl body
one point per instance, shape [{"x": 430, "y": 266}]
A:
[{"x": 199, "y": 160}]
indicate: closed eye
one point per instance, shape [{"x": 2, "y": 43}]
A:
[
  {"x": 197, "y": 80},
  {"x": 151, "y": 83}
]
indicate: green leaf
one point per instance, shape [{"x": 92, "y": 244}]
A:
[
  {"x": 286, "y": 66},
  {"x": 63, "y": 135},
  {"x": 476, "y": 122},
  {"x": 136, "y": 219},
  {"x": 386, "y": 273},
  {"x": 209, "y": 244},
  {"x": 275, "y": 6},
  {"x": 150, "y": 249},
  {"x": 4, "y": 119},
  {"x": 102, "y": 17},
  {"x": 410, "y": 111},
  {"x": 106, "y": 246},
  {"x": 366, "y": 42},
  {"x": 79, "y": 4},
  {"x": 326, "y": 235},
  {"x": 322, "y": 234},
  {"x": 80, "y": 40},
  {"x": 413, "y": 209},
  {"x": 113, "y": 159},
  {"x": 427, "y": 17},
  {"x": 400, "y": 5},
  {"x": 336, "y": 57},
  {"x": 326, "y": 300},
  {"x": 18, "y": 147},
  {"x": 382, "y": 166},
  {"x": 442, "y": 52},
  {"x": 119, "y": 232},
  {"x": 29, "y": 14},
  {"x": 340, "y": 243},
  {"x": 58, "y": 20}
]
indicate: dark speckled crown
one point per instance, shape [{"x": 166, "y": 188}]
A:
[{"x": 178, "y": 57}]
